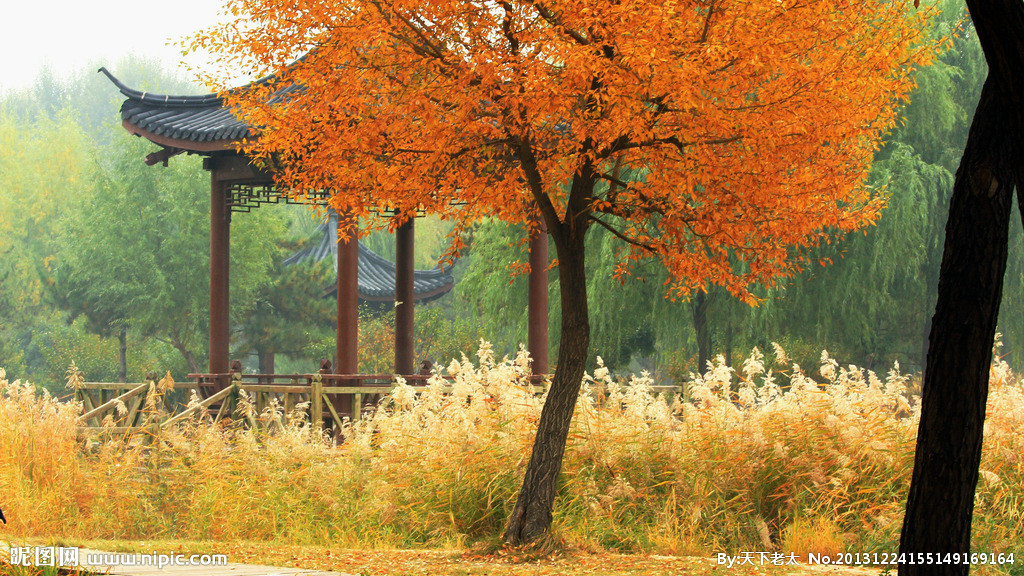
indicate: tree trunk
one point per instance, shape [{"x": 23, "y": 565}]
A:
[
  {"x": 531, "y": 517},
  {"x": 187, "y": 354},
  {"x": 955, "y": 389},
  {"x": 933, "y": 259},
  {"x": 122, "y": 354},
  {"x": 700, "y": 326},
  {"x": 728, "y": 344},
  {"x": 266, "y": 361},
  {"x": 924, "y": 340}
]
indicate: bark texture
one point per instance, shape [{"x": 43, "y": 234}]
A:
[
  {"x": 531, "y": 517},
  {"x": 700, "y": 327},
  {"x": 941, "y": 500},
  {"x": 955, "y": 389},
  {"x": 122, "y": 354},
  {"x": 530, "y": 521}
]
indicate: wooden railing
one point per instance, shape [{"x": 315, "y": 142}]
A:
[
  {"x": 220, "y": 395},
  {"x": 101, "y": 400},
  {"x": 323, "y": 391}
]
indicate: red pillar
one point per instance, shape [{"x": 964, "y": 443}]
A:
[
  {"x": 347, "y": 337},
  {"x": 404, "y": 295},
  {"x": 220, "y": 243},
  {"x": 537, "y": 329}
]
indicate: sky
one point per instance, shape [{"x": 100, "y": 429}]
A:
[{"x": 70, "y": 35}]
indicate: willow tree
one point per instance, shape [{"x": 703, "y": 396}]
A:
[{"x": 747, "y": 129}]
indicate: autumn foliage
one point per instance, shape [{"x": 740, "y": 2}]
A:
[
  {"x": 722, "y": 137},
  {"x": 730, "y": 131}
]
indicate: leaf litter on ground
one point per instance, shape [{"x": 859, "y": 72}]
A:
[{"x": 502, "y": 562}]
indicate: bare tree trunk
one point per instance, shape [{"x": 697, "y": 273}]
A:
[
  {"x": 728, "y": 344},
  {"x": 531, "y": 517},
  {"x": 266, "y": 362},
  {"x": 122, "y": 354},
  {"x": 955, "y": 389},
  {"x": 700, "y": 326},
  {"x": 187, "y": 354}
]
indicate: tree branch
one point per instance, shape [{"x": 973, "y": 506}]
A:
[
  {"x": 624, "y": 143},
  {"x": 613, "y": 179},
  {"x": 707, "y": 23},
  {"x": 457, "y": 153},
  {"x": 623, "y": 237},
  {"x": 553, "y": 20},
  {"x": 428, "y": 48},
  {"x": 506, "y": 28},
  {"x": 534, "y": 181}
]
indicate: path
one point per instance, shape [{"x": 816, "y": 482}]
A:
[{"x": 134, "y": 564}]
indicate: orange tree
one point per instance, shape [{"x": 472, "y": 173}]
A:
[{"x": 723, "y": 137}]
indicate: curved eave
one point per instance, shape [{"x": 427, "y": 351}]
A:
[
  {"x": 180, "y": 143},
  {"x": 199, "y": 124},
  {"x": 165, "y": 100},
  {"x": 376, "y": 278},
  {"x": 420, "y": 297}
]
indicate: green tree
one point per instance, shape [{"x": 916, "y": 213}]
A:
[
  {"x": 134, "y": 251},
  {"x": 873, "y": 304},
  {"x": 288, "y": 311},
  {"x": 44, "y": 162},
  {"x": 489, "y": 285}
]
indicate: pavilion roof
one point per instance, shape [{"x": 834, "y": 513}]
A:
[
  {"x": 376, "y": 274},
  {"x": 203, "y": 125},
  {"x": 200, "y": 124}
]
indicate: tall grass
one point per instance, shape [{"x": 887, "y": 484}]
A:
[{"x": 752, "y": 459}]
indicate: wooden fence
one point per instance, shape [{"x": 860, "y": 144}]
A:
[{"x": 219, "y": 396}]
